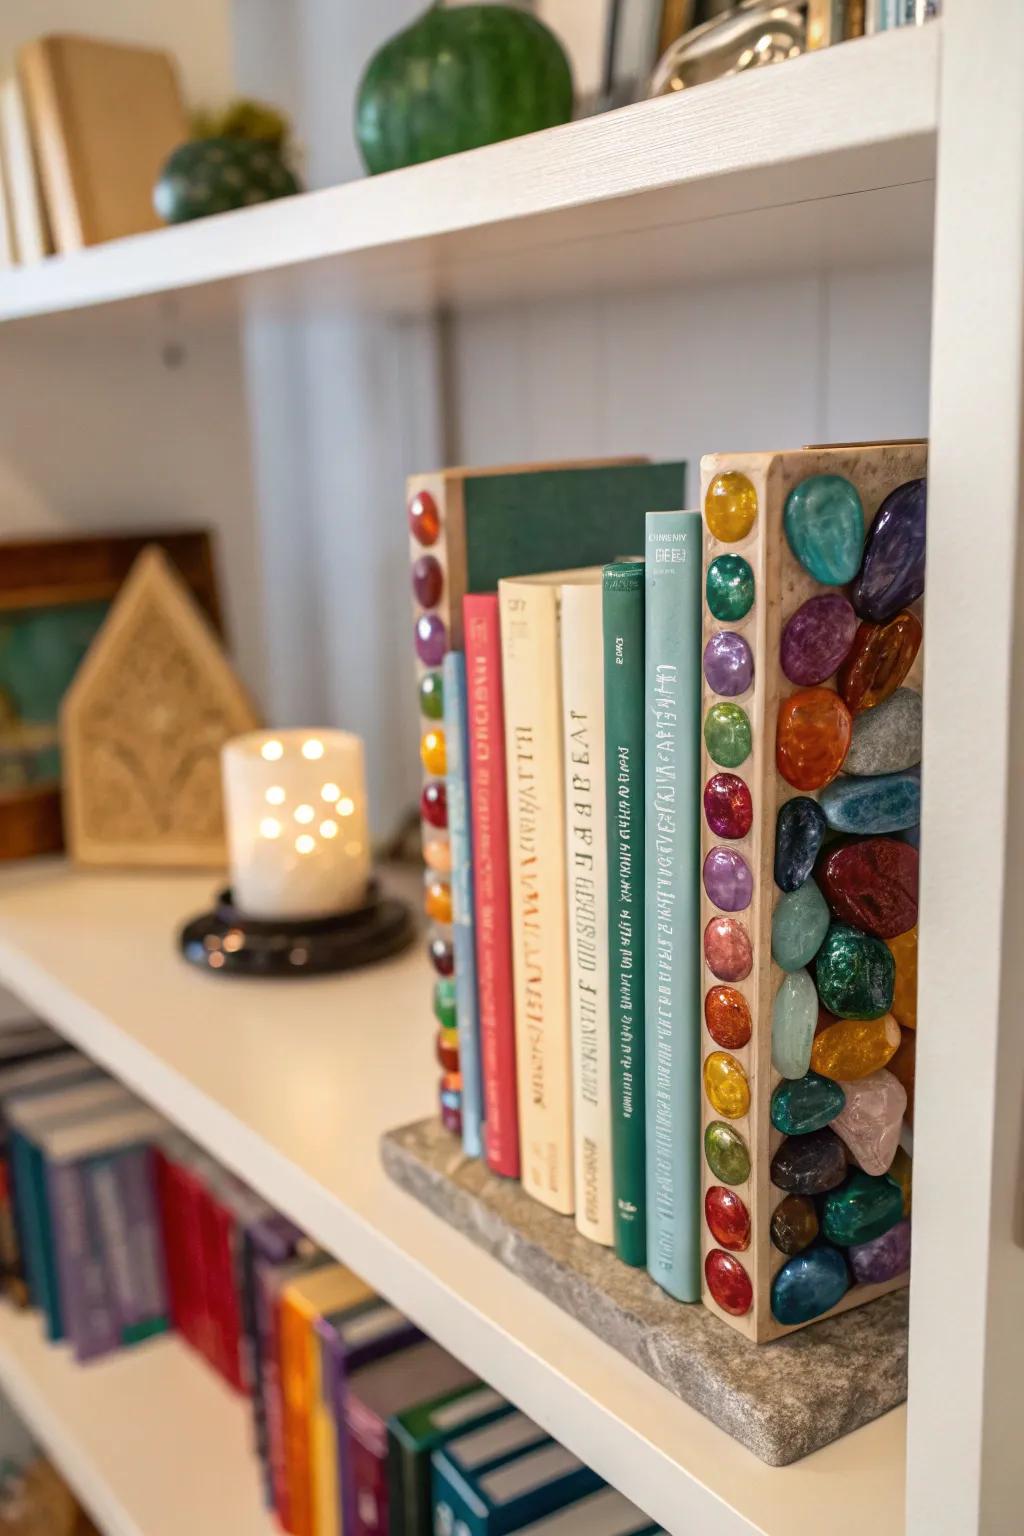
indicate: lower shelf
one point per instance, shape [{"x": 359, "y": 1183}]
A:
[
  {"x": 151, "y": 1441},
  {"x": 781, "y": 1400}
]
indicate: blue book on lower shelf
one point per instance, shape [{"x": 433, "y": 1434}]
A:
[
  {"x": 467, "y": 1018},
  {"x": 510, "y": 1495}
]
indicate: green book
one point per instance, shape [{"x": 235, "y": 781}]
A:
[
  {"x": 623, "y": 616},
  {"x": 419, "y": 1431},
  {"x": 672, "y": 697}
]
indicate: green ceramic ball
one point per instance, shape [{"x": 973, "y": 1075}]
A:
[
  {"x": 457, "y": 79},
  {"x": 214, "y": 175}
]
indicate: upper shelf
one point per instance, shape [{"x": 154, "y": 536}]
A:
[{"x": 826, "y": 160}]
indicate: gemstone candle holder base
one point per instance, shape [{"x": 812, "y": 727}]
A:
[{"x": 228, "y": 942}]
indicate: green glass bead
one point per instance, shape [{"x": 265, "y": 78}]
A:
[
  {"x": 862, "y": 1209},
  {"x": 432, "y": 696},
  {"x": 727, "y": 734},
  {"x": 730, "y": 588},
  {"x": 727, "y": 1154},
  {"x": 799, "y": 924},
  {"x": 444, "y": 1003},
  {"x": 806, "y": 1104}
]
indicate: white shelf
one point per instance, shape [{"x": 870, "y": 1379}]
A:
[
  {"x": 827, "y": 159},
  {"x": 151, "y": 1441},
  {"x": 291, "y": 1085}
]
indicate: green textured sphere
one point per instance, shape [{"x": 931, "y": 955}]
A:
[
  {"x": 458, "y": 79},
  {"x": 730, "y": 588},
  {"x": 216, "y": 175}
]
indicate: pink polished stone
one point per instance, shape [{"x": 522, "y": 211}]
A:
[
  {"x": 728, "y": 807},
  {"x": 870, "y": 1121},
  {"x": 727, "y": 949},
  {"x": 727, "y": 879},
  {"x": 427, "y": 581},
  {"x": 817, "y": 639}
]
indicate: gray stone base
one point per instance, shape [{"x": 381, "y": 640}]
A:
[{"x": 781, "y": 1400}]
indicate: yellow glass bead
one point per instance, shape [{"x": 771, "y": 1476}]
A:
[
  {"x": 730, "y": 507},
  {"x": 853, "y": 1048},
  {"x": 437, "y": 854},
  {"x": 904, "y": 1003},
  {"x": 433, "y": 753},
  {"x": 726, "y": 1086},
  {"x": 438, "y": 903},
  {"x": 902, "y": 1170}
]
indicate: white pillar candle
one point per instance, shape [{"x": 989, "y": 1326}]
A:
[{"x": 295, "y": 804}]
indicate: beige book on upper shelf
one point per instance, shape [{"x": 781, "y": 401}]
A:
[{"x": 104, "y": 118}]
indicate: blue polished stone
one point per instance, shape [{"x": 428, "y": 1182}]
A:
[
  {"x": 799, "y": 832},
  {"x": 891, "y": 802},
  {"x": 892, "y": 574},
  {"x": 809, "y": 1284},
  {"x": 824, "y": 523},
  {"x": 809, "y": 1103}
]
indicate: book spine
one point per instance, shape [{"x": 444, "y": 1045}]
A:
[
  {"x": 587, "y": 886},
  {"x": 112, "y": 1216},
  {"x": 89, "y": 1318},
  {"x": 623, "y": 649},
  {"x": 491, "y": 906},
  {"x": 295, "y": 1395},
  {"x": 135, "y": 1173},
  {"x": 269, "y": 1314},
  {"x": 457, "y": 781},
  {"x": 536, "y": 817},
  {"x": 49, "y": 1294},
  {"x": 672, "y": 698}
]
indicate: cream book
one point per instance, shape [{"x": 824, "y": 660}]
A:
[
  {"x": 531, "y": 660},
  {"x": 29, "y": 230},
  {"x": 587, "y": 894}
]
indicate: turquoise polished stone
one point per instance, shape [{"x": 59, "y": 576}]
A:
[
  {"x": 799, "y": 924},
  {"x": 809, "y": 1284},
  {"x": 862, "y": 1209},
  {"x": 730, "y": 588},
  {"x": 824, "y": 523},
  {"x": 808, "y": 1104},
  {"x": 889, "y": 803},
  {"x": 855, "y": 973},
  {"x": 794, "y": 1018}
]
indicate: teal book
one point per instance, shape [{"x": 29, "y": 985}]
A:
[
  {"x": 510, "y": 1495},
  {"x": 672, "y": 695},
  {"x": 623, "y": 625},
  {"x": 467, "y": 1016}
]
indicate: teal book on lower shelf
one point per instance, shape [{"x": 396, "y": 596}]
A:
[
  {"x": 513, "y": 1494},
  {"x": 672, "y": 696}
]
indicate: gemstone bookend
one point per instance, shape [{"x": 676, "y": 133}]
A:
[{"x": 814, "y": 568}]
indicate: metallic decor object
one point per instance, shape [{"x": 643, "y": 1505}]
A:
[{"x": 750, "y": 35}]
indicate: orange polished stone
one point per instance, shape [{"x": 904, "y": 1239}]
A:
[
  {"x": 880, "y": 659},
  {"x": 903, "y": 1066},
  {"x": 903, "y": 949},
  {"x": 813, "y": 737},
  {"x": 727, "y": 1016},
  {"x": 437, "y": 854},
  {"x": 438, "y": 902}
]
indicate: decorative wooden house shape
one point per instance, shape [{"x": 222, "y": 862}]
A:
[
  {"x": 812, "y": 662},
  {"x": 142, "y": 728}
]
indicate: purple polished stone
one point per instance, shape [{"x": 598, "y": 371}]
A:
[
  {"x": 817, "y": 639},
  {"x": 427, "y": 581},
  {"x": 728, "y": 664},
  {"x": 431, "y": 639},
  {"x": 892, "y": 571},
  {"x": 884, "y": 1257},
  {"x": 727, "y": 879}
]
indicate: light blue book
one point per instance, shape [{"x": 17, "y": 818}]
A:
[
  {"x": 672, "y": 981},
  {"x": 456, "y": 730}
]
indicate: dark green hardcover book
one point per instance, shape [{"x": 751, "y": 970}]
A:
[
  {"x": 623, "y": 614},
  {"x": 415, "y": 1434}
]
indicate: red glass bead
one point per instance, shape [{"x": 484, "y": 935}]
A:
[
  {"x": 442, "y": 956},
  {"x": 727, "y": 1016},
  {"x": 727, "y": 1217},
  {"x": 448, "y": 1050},
  {"x": 434, "y": 804},
  {"x": 424, "y": 519},
  {"x": 427, "y": 581},
  {"x": 728, "y": 1283},
  {"x": 727, "y": 806}
]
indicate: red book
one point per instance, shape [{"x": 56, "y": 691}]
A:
[{"x": 492, "y": 911}]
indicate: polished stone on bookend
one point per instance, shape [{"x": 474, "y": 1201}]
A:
[
  {"x": 727, "y": 879},
  {"x": 728, "y": 808},
  {"x": 794, "y": 1017},
  {"x": 812, "y": 737},
  {"x": 730, "y": 588},
  {"x": 849, "y": 1049},
  {"x": 902, "y": 1171},
  {"x": 726, "y": 1153},
  {"x": 810, "y": 1165},
  {"x": 434, "y": 805},
  {"x": 424, "y": 519},
  {"x": 433, "y": 753},
  {"x": 444, "y": 1003},
  {"x": 431, "y": 639},
  {"x": 799, "y": 833},
  {"x": 442, "y": 956},
  {"x": 887, "y": 739},
  {"x": 862, "y": 1209},
  {"x": 904, "y": 1066},
  {"x": 824, "y": 524},
  {"x": 855, "y": 974},
  {"x": 727, "y": 1016},
  {"x": 448, "y": 1049},
  {"x": 727, "y": 735},
  {"x": 813, "y": 1282},
  {"x": 427, "y": 581},
  {"x": 726, "y": 1086},
  {"x": 727, "y": 949},
  {"x": 730, "y": 507},
  {"x": 892, "y": 572},
  {"x": 728, "y": 1283},
  {"x": 451, "y": 1114},
  {"x": 794, "y": 1224},
  {"x": 871, "y": 1119},
  {"x": 432, "y": 696},
  {"x": 728, "y": 664},
  {"x": 437, "y": 854},
  {"x": 903, "y": 949},
  {"x": 873, "y": 885},
  {"x": 817, "y": 639},
  {"x": 437, "y": 902},
  {"x": 883, "y": 1258},
  {"x": 806, "y": 1104},
  {"x": 799, "y": 924},
  {"x": 873, "y": 806},
  {"x": 879, "y": 661},
  {"x": 728, "y": 1218}
]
